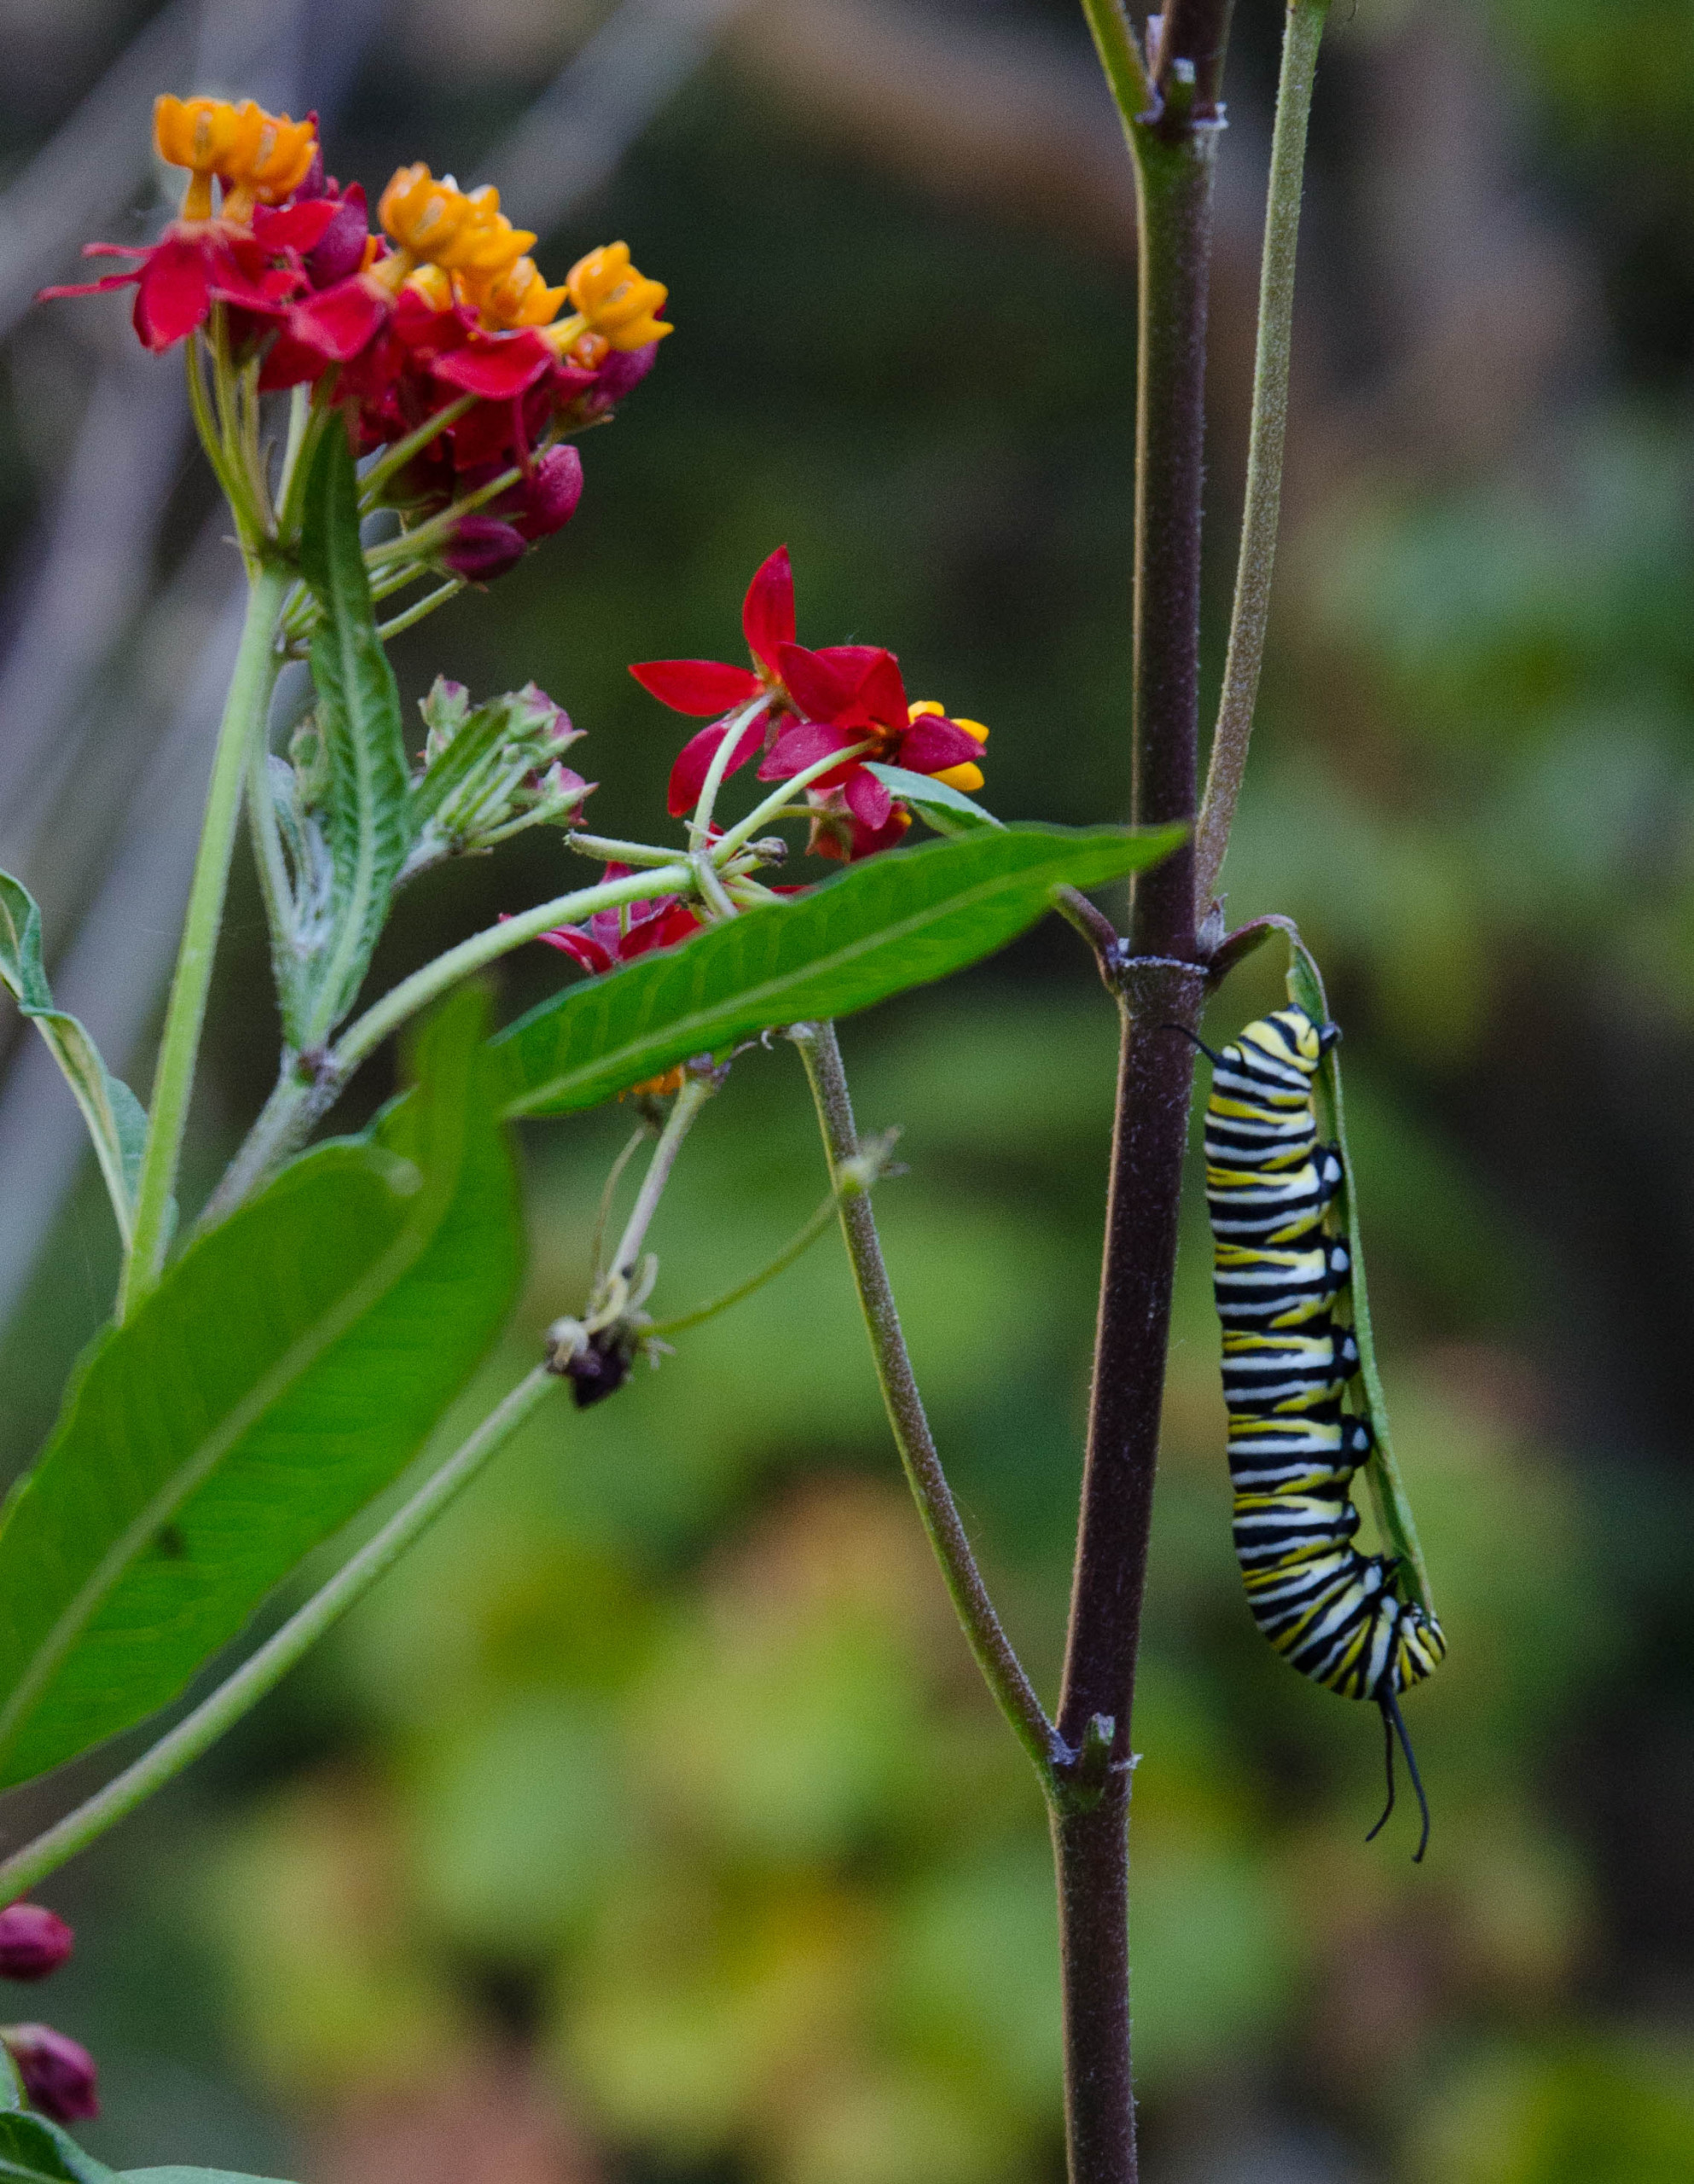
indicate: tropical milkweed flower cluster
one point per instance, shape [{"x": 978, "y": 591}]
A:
[
  {"x": 437, "y": 334},
  {"x": 799, "y": 708}
]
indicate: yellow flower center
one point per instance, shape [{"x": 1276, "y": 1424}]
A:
[
  {"x": 965, "y": 776},
  {"x": 258, "y": 157},
  {"x": 609, "y": 298},
  {"x": 461, "y": 231}
]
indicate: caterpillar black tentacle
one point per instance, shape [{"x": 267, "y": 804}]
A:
[{"x": 1336, "y": 1614}]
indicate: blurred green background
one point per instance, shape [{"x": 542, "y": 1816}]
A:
[{"x": 650, "y": 1824}]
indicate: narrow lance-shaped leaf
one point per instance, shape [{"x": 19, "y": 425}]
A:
[
  {"x": 175, "y": 2174},
  {"x": 285, "y": 1369},
  {"x": 886, "y": 924},
  {"x": 368, "y": 821},
  {"x": 116, "y": 1119},
  {"x": 1388, "y": 1497}
]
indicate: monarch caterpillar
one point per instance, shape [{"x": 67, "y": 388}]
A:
[{"x": 1281, "y": 1276}]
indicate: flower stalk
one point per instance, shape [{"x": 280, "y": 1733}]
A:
[
  {"x": 245, "y": 708},
  {"x": 1302, "y": 34}
]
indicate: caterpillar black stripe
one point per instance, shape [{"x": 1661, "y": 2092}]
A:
[{"x": 1282, "y": 1278}]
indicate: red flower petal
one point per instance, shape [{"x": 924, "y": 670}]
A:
[
  {"x": 815, "y": 683},
  {"x": 338, "y": 321},
  {"x": 669, "y": 923},
  {"x": 803, "y": 746},
  {"x": 768, "y": 612},
  {"x": 882, "y": 693},
  {"x": 289, "y": 363},
  {"x": 867, "y": 800},
  {"x": 693, "y": 761},
  {"x": 498, "y": 367},
  {"x": 699, "y": 686},
  {"x": 931, "y": 745},
  {"x": 175, "y": 294},
  {"x": 90, "y": 288},
  {"x": 582, "y": 947},
  {"x": 294, "y": 227}
]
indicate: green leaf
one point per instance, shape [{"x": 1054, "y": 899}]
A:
[
  {"x": 116, "y": 1119},
  {"x": 1388, "y": 1497},
  {"x": 888, "y": 923},
  {"x": 947, "y": 809},
  {"x": 367, "y": 822},
  {"x": 33, "y": 2150},
  {"x": 287, "y": 1367},
  {"x": 179, "y": 2175}
]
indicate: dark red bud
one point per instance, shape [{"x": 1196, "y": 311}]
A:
[
  {"x": 341, "y": 251},
  {"x": 33, "y": 1941},
  {"x": 550, "y": 493},
  {"x": 59, "y": 2075},
  {"x": 484, "y": 548}
]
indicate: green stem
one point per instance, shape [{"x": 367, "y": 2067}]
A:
[
  {"x": 299, "y": 1099},
  {"x": 696, "y": 1090},
  {"x": 437, "y": 530},
  {"x": 1263, "y": 506},
  {"x": 700, "y": 826},
  {"x": 1120, "y": 58},
  {"x": 265, "y": 1669},
  {"x": 401, "y": 453},
  {"x": 607, "y": 848},
  {"x": 404, "y": 1001},
  {"x": 797, "y": 1245},
  {"x": 420, "y": 608},
  {"x": 1001, "y": 1668},
  {"x": 727, "y": 844},
  {"x": 243, "y": 723}
]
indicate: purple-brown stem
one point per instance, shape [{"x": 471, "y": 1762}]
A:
[{"x": 1160, "y": 982}]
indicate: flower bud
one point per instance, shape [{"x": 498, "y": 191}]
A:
[
  {"x": 33, "y": 1941},
  {"x": 550, "y": 493},
  {"x": 59, "y": 2076},
  {"x": 483, "y": 548}
]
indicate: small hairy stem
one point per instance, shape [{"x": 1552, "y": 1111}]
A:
[
  {"x": 1001, "y": 1668},
  {"x": 1120, "y": 58},
  {"x": 265, "y": 1669},
  {"x": 405, "y": 1000},
  {"x": 797, "y": 1245},
  {"x": 300, "y": 1099},
  {"x": 416, "y": 611},
  {"x": 608, "y": 1192},
  {"x": 1301, "y": 37},
  {"x": 609, "y": 849},
  {"x": 761, "y": 814},
  {"x": 700, "y": 827},
  {"x": 398, "y": 455},
  {"x": 244, "y": 716},
  {"x": 697, "y": 1089}
]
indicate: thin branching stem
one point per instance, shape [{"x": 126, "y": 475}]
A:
[
  {"x": 1001, "y": 1668},
  {"x": 698, "y": 1087},
  {"x": 1263, "y": 506}
]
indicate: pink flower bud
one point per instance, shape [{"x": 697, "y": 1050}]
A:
[
  {"x": 550, "y": 493},
  {"x": 483, "y": 548},
  {"x": 32, "y": 1941},
  {"x": 59, "y": 2076}
]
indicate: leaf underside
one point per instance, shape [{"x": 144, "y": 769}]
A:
[
  {"x": 116, "y": 1119},
  {"x": 289, "y": 1365},
  {"x": 891, "y": 922}
]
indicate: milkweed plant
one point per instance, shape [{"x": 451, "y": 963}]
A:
[{"x": 394, "y": 412}]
